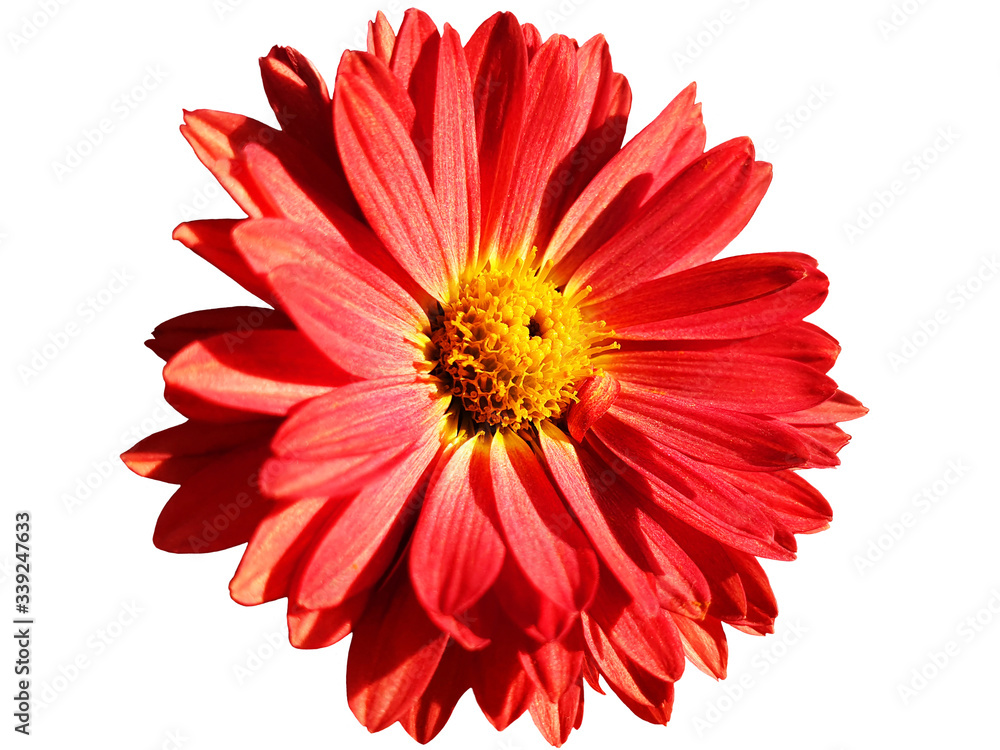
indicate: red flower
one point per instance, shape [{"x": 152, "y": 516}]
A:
[{"x": 506, "y": 419}]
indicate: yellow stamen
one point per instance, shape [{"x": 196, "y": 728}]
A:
[{"x": 511, "y": 348}]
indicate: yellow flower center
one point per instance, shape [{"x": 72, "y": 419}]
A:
[{"x": 511, "y": 348}]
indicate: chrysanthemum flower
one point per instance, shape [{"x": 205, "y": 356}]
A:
[{"x": 503, "y": 417}]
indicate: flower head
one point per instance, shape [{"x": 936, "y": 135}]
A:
[{"x": 503, "y": 417}]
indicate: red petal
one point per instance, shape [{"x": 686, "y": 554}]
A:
[
  {"x": 456, "y": 553},
  {"x": 551, "y": 550},
  {"x": 498, "y": 64},
  {"x": 348, "y": 434},
  {"x": 705, "y": 644},
  {"x": 723, "y": 438},
  {"x": 533, "y": 613},
  {"x": 301, "y": 102},
  {"x": 732, "y": 298},
  {"x": 319, "y": 628},
  {"x": 583, "y": 491},
  {"x": 429, "y": 713},
  {"x": 532, "y": 38},
  {"x": 218, "y": 137},
  {"x": 840, "y": 407},
  {"x": 646, "y": 696},
  {"x": 652, "y": 642},
  {"x": 680, "y": 584},
  {"x": 596, "y": 395},
  {"x": 687, "y": 223},
  {"x": 802, "y": 342},
  {"x": 274, "y": 550},
  {"x": 725, "y": 379},
  {"x": 386, "y": 173},
  {"x": 381, "y": 38},
  {"x": 685, "y": 489},
  {"x": 455, "y": 160},
  {"x": 355, "y": 314},
  {"x": 637, "y": 172},
  {"x": 177, "y": 453},
  {"x": 212, "y": 240},
  {"x": 502, "y": 688},
  {"x": 267, "y": 372},
  {"x": 217, "y": 508},
  {"x": 394, "y": 652},
  {"x": 361, "y": 540},
  {"x": 554, "y": 121},
  {"x": 555, "y": 720},
  {"x": 608, "y": 97},
  {"x": 239, "y": 322},
  {"x": 554, "y": 667}
]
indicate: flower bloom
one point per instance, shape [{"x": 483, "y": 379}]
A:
[{"x": 503, "y": 417}]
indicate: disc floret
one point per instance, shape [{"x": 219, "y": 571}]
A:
[{"x": 511, "y": 348}]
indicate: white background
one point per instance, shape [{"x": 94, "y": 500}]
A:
[{"x": 852, "y": 628}]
